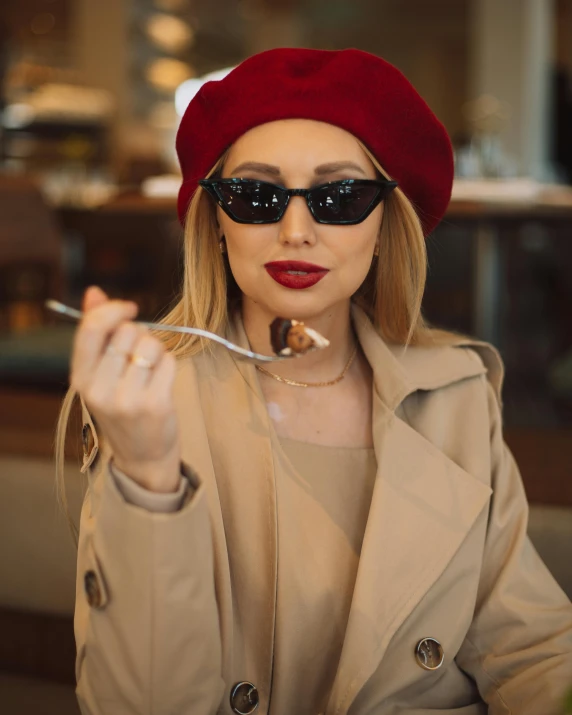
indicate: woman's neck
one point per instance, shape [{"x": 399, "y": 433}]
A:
[{"x": 318, "y": 365}]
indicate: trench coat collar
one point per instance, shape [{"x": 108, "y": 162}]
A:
[
  {"x": 398, "y": 372},
  {"x": 423, "y": 503}
]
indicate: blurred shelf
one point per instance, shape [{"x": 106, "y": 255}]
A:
[{"x": 554, "y": 201}]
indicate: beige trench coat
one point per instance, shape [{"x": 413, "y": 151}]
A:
[{"x": 185, "y": 602}]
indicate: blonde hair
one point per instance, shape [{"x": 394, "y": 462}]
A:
[{"x": 390, "y": 295}]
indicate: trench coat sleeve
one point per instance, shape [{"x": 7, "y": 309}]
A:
[
  {"x": 519, "y": 646},
  {"x": 146, "y": 499},
  {"x": 149, "y": 643}
]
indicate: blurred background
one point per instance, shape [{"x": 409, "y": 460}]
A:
[{"x": 91, "y": 92}]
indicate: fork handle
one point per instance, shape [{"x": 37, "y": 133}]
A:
[{"x": 245, "y": 354}]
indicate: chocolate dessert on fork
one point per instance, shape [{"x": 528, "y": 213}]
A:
[{"x": 292, "y": 337}]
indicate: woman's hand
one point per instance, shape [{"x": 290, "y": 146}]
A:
[{"x": 132, "y": 404}]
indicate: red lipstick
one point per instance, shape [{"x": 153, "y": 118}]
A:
[{"x": 295, "y": 274}]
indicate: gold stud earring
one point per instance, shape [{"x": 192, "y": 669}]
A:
[
  {"x": 376, "y": 250},
  {"x": 222, "y": 245}
]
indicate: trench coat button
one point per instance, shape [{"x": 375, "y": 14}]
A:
[
  {"x": 244, "y": 698},
  {"x": 429, "y": 653},
  {"x": 87, "y": 439},
  {"x": 92, "y": 589}
]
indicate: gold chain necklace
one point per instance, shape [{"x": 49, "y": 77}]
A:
[{"x": 311, "y": 384}]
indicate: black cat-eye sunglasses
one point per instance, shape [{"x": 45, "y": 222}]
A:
[{"x": 341, "y": 203}]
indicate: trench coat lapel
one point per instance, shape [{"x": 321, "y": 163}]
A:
[{"x": 422, "y": 508}]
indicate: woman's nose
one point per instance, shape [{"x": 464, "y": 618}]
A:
[{"x": 297, "y": 226}]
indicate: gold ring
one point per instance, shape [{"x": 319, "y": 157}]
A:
[{"x": 141, "y": 361}]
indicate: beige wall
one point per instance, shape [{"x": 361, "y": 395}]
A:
[
  {"x": 101, "y": 52},
  {"x": 512, "y": 50}
]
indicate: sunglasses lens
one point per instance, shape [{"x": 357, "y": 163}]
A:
[
  {"x": 343, "y": 203},
  {"x": 252, "y": 201}
]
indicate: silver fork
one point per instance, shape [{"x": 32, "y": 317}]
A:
[{"x": 243, "y": 354}]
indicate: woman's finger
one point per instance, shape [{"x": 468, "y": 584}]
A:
[
  {"x": 146, "y": 354},
  {"x": 114, "y": 361},
  {"x": 160, "y": 385},
  {"x": 92, "y": 298},
  {"x": 93, "y": 334}
]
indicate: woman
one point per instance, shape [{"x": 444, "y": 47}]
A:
[{"x": 343, "y": 533}]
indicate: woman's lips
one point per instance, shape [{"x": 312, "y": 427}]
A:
[{"x": 295, "y": 274}]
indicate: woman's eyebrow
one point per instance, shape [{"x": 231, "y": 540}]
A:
[
  {"x": 257, "y": 166},
  {"x": 330, "y": 168},
  {"x": 334, "y": 166}
]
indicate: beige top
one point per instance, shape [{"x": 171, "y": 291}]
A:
[{"x": 324, "y": 492}]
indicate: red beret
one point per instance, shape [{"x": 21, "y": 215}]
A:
[{"x": 351, "y": 89}]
